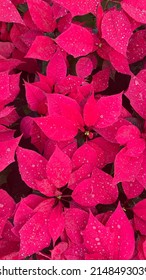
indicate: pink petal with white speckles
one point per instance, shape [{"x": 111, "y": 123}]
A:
[
  {"x": 8, "y": 12},
  {"x": 137, "y": 46},
  {"x": 127, "y": 133},
  {"x": 56, "y": 222},
  {"x": 119, "y": 62},
  {"x": 109, "y": 109},
  {"x": 59, "y": 168},
  {"x": 42, "y": 48},
  {"x": 132, "y": 189},
  {"x": 98, "y": 239},
  {"x": 57, "y": 68},
  {"x": 34, "y": 235},
  {"x": 126, "y": 168},
  {"x": 36, "y": 98},
  {"x": 116, "y": 30},
  {"x": 101, "y": 79},
  {"x": 84, "y": 67},
  {"x": 95, "y": 190},
  {"x": 137, "y": 92},
  {"x": 7, "y": 207},
  {"x": 75, "y": 221},
  {"x": 42, "y": 15},
  {"x": 135, "y": 9},
  {"x": 79, "y": 7},
  {"x": 7, "y": 152},
  {"x": 141, "y": 177},
  {"x": 32, "y": 166},
  {"x": 76, "y": 40},
  {"x": 90, "y": 112},
  {"x": 124, "y": 241},
  {"x": 57, "y": 127}
]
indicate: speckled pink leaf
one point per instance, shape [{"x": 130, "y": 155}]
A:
[
  {"x": 119, "y": 62},
  {"x": 101, "y": 79},
  {"x": 34, "y": 235},
  {"x": 135, "y": 147},
  {"x": 42, "y": 15},
  {"x": 59, "y": 168},
  {"x": 79, "y": 175},
  {"x": 116, "y": 30},
  {"x": 135, "y": 9},
  {"x": 141, "y": 177},
  {"x": 124, "y": 240},
  {"x": 109, "y": 109},
  {"x": 76, "y": 40},
  {"x": 8, "y": 115},
  {"x": 6, "y": 49},
  {"x": 90, "y": 112},
  {"x": 84, "y": 154},
  {"x": 98, "y": 239},
  {"x": 126, "y": 168},
  {"x": 127, "y": 133},
  {"x": 36, "y": 98},
  {"x": 75, "y": 221},
  {"x": 95, "y": 190},
  {"x": 32, "y": 166},
  {"x": 57, "y": 68},
  {"x": 136, "y": 93},
  {"x": 42, "y": 48},
  {"x": 58, "y": 250},
  {"x": 56, "y": 222},
  {"x": 64, "y": 22},
  {"x": 9, "y": 244},
  {"x": 8, "y": 12},
  {"x": 57, "y": 127},
  {"x": 79, "y": 7},
  {"x": 109, "y": 133},
  {"x": 7, "y": 152},
  {"x": 7, "y": 207},
  {"x": 69, "y": 84},
  {"x": 75, "y": 252},
  {"x": 137, "y": 46},
  {"x": 84, "y": 67},
  {"x": 132, "y": 189},
  {"x": 109, "y": 150},
  {"x": 140, "y": 216},
  {"x": 22, "y": 215}
]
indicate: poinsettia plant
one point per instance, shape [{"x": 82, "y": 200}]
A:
[{"x": 72, "y": 129}]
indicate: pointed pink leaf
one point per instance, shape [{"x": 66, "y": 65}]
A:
[
  {"x": 75, "y": 252},
  {"x": 7, "y": 207},
  {"x": 59, "y": 168},
  {"x": 95, "y": 190},
  {"x": 124, "y": 244},
  {"x": 109, "y": 109},
  {"x": 135, "y": 9},
  {"x": 137, "y": 46},
  {"x": 79, "y": 7},
  {"x": 76, "y": 40},
  {"x": 8, "y": 12},
  {"x": 36, "y": 98},
  {"x": 116, "y": 30},
  {"x": 42, "y": 15},
  {"x": 101, "y": 79},
  {"x": 32, "y": 166},
  {"x": 57, "y": 68},
  {"x": 56, "y": 222},
  {"x": 57, "y": 127},
  {"x": 126, "y": 168},
  {"x": 126, "y": 133},
  {"x": 69, "y": 84},
  {"x": 119, "y": 62},
  {"x": 84, "y": 67},
  {"x": 135, "y": 147},
  {"x": 58, "y": 250},
  {"x": 141, "y": 177},
  {"x": 75, "y": 221},
  {"x": 7, "y": 152},
  {"x": 34, "y": 235},
  {"x": 84, "y": 154},
  {"x": 98, "y": 239},
  {"x": 132, "y": 189},
  {"x": 90, "y": 112},
  {"x": 42, "y": 48},
  {"x": 137, "y": 91}
]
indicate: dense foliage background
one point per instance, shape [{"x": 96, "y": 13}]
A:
[{"x": 72, "y": 129}]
